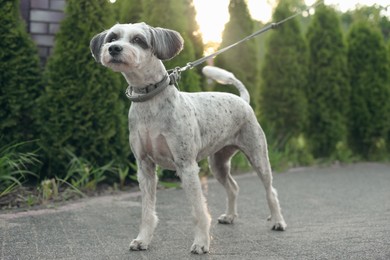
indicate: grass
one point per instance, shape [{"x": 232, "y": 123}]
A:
[
  {"x": 82, "y": 179},
  {"x": 83, "y": 175},
  {"x": 14, "y": 167},
  {"x": 123, "y": 174}
]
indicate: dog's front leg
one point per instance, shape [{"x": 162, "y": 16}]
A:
[
  {"x": 191, "y": 185},
  {"x": 147, "y": 179}
]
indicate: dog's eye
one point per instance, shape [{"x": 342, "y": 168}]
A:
[
  {"x": 139, "y": 41},
  {"x": 112, "y": 37},
  {"x": 136, "y": 40}
]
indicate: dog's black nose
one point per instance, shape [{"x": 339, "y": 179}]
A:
[{"x": 114, "y": 50}]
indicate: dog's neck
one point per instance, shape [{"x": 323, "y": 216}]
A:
[
  {"x": 147, "y": 82},
  {"x": 145, "y": 75}
]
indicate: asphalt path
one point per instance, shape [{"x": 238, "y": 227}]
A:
[{"x": 338, "y": 212}]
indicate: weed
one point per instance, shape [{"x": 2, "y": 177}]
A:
[
  {"x": 288, "y": 151},
  {"x": 14, "y": 167},
  {"x": 49, "y": 189},
  {"x": 31, "y": 200},
  {"x": 122, "y": 173},
  {"x": 71, "y": 188},
  {"x": 83, "y": 175}
]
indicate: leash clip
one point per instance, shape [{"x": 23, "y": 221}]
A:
[
  {"x": 274, "y": 25},
  {"x": 174, "y": 76}
]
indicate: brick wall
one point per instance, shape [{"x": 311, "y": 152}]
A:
[{"x": 42, "y": 18}]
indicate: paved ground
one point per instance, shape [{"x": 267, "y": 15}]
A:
[{"x": 332, "y": 213}]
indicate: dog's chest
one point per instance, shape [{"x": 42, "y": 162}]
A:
[
  {"x": 148, "y": 136},
  {"x": 153, "y": 145}
]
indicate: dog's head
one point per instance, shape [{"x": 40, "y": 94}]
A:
[{"x": 128, "y": 46}]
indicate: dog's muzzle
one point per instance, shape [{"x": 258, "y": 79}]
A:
[{"x": 114, "y": 50}]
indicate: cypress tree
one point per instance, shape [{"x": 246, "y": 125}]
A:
[
  {"x": 284, "y": 104},
  {"x": 173, "y": 15},
  {"x": 81, "y": 109},
  {"x": 388, "y": 135},
  {"x": 128, "y": 11},
  {"x": 368, "y": 63},
  {"x": 20, "y": 77},
  {"x": 241, "y": 60},
  {"x": 328, "y": 88},
  {"x": 375, "y": 14}
]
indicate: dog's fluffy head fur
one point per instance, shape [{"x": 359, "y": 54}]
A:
[{"x": 124, "y": 46}]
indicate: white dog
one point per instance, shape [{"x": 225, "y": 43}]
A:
[{"x": 176, "y": 130}]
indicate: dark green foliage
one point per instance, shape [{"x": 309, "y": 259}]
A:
[
  {"x": 128, "y": 11},
  {"x": 328, "y": 88},
  {"x": 284, "y": 104},
  {"x": 373, "y": 14},
  {"x": 173, "y": 15},
  {"x": 20, "y": 78},
  {"x": 82, "y": 110},
  {"x": 388, "y": 136},
  {"x": 368, "y": 63},
  {"x": 241, "y": 60}
]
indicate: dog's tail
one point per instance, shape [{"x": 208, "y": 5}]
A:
[{"x": 227, "y": 78}]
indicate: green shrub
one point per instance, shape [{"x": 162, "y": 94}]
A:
[
  {"x": 369, "y": 67},
  {"x": 83, "y": 109},
  {"x": 388, "y": 135},
  {"x": 20, "y": 78},
  {"x": 328, "y": 89},
  {"x": 128, "y": 11},
  {"x": 287, "y": 151},
  {"x": 283, "y": 100}
]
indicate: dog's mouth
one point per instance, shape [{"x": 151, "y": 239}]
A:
[
  {"x": 116, "y": 64},
  {"x": 116, "y": 61}
]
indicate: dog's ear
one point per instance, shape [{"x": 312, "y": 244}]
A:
[
  {"x": 166, "y": 43},
  {"x": 96, "y": 45}
]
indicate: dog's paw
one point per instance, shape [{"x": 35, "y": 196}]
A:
[
  {"x": 279, "y": 226},
  {"x": 199, "y": 249},
  {"x": 137, "y": 245},
  {"x": 226, "y": 219}
]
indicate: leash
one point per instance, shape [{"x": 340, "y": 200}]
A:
[
  {"x": 195, "y": 63},
  {"x": 173, "y": 75}
]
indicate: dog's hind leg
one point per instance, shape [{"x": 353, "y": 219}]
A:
[
  {"x": 257, "y": 154},
  {"x": 220, "y": 166},
  {"x": 202, "y": 220},
  {"x": 147, "y": 179}
]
